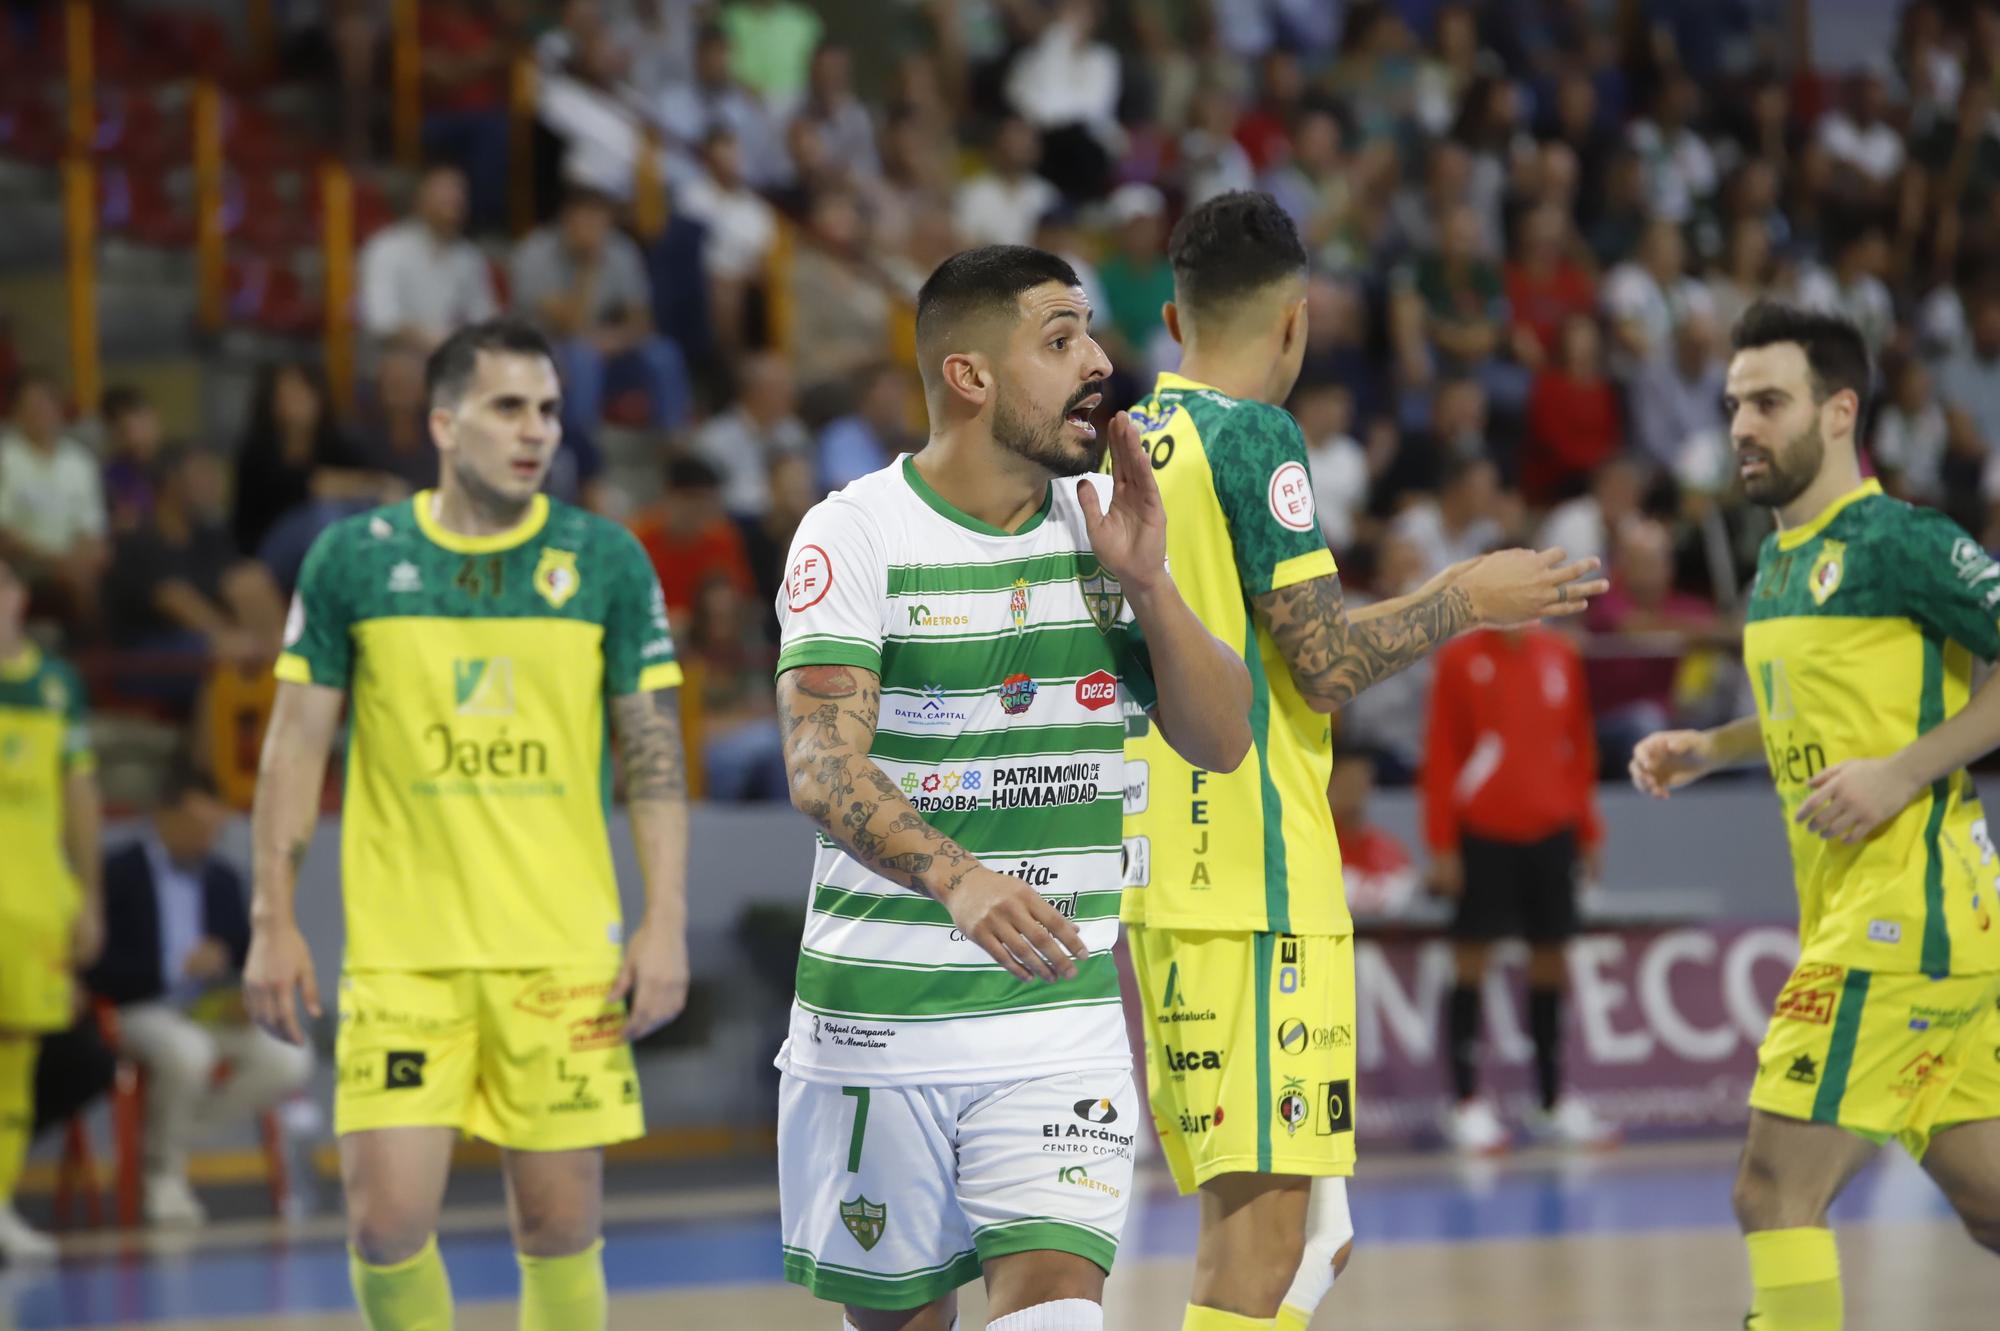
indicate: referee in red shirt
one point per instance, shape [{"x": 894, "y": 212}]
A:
[{"x": 1510, "y": 813}]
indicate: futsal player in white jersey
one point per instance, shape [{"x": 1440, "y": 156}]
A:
[{"x": 961, "y": 630}]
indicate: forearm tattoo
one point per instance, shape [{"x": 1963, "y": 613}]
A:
[
  {"x": 1334, "y": 658},
  {"x": 648, "y": 726},
  {"x": 829, "y": 715}
]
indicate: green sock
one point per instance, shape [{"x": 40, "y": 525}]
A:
[
  {"x": 413, "y": 1295},
  {"x": 1795, "y": 1278},
  {"x": 564, "y": 1293},
  {"x": 1214, "y": 1319}
]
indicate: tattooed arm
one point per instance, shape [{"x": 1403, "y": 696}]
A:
[
  {"x": 1334, "y": 656},
  {"x": 290, "y": 777},
  {"x": 828, "y": 713},
  {"x": 655, "y": 973}
]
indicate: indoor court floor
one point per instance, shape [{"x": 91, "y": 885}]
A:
[{"x": 1637, "y": 1240}]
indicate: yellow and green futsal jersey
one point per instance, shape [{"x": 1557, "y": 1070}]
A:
[
  {"x": 44, "y": 739},
  {"x": 1862, "y": 629},
  {"x": 1252, "y": 849},
  {"x": 478, "y": 771}
]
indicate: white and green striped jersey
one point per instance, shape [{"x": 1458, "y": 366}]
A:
[{"x": 1005, "y": 659}]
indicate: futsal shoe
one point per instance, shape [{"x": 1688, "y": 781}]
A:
[
  {"x": 20, "y": 1242},
  {"x": 1475, "y": 1129},
  {"x": 170, "y": 1201},
  {"x": 1574, "y": 1123}
]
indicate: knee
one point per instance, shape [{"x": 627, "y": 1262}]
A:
[
  {"x": 383, "y": 1233},
  {"x": 555, "y": 1226},
  {"x": 184, "y": 1060},
  {"x": 1761, "y": 1202},
  {"x": 1340, "y": 1258}
]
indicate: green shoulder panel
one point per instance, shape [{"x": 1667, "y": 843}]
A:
[{"x": 1257, "y": 456}]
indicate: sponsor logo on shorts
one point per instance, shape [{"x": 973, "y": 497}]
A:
[
  {"x": 1293, "y": 1109},
  {"x": 1884, "y": 931},
  {"x": 606, "y": 1030},
  {"x": 1336, "y": 1099},
  {"x": 1173, "y": 1001},
  {"x": 1194, "y": 1060},
  {"x": 865, "y": 1220},
  {"x": 579, "y": 1100},
  {"x": 1076, "y": 1176},
  {"x": 1096, "y": 690},
  {"x": 1291, "y": 971},
  {"x": 1100, "y": 1110},
  {"x": 1812, "y": 1006},
  {"x": 1803, "y": 1070},
  {"x": 1292, "y": 1037},
  {"x": 1915, "y": 1074},
  {"x": 547, "y": 997},
  {"x": 1295, "y": 1036},
  {"x": 403, "y": 1069},
  {"x": 1193, "y": 1124},
  {"x": 1017, "y": 694},
  {"x": 1924, "y": 1017}
]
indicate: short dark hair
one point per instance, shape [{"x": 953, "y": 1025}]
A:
[
  {"x": 1835, "y": 351},
  {"x": 588, "y": 196},
  {"x": 1230, "y": 247},
  {"x": 451, "y": 367},
  {"x": 980, "y": 283},
  {"x": 120, "y": 401},
  {"x": 684, "y": 473},
  {"x": 184, "y": 778}
]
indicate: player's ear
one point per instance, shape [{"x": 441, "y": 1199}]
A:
[
  {"x": 440, "y": 423},
  {"x": 1846, "y": 408},
  {"x": 1170, "y": 314},
  {"x": 1295, "y": 324},
  {"x": 968, "y": 378}
]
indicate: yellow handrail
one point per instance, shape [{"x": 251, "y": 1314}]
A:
[
  {"x": 649, "y": 187},
  {"x": 337, "y": 239},
  {"x": 406, "y": 84},
  {"x": 779, "y": 318},
  {"x": 80, "y": 237},
  {"x": 208, "y": 203},
  {"x": 521, "y": 92},
  {"x": 81, "y": 73}
]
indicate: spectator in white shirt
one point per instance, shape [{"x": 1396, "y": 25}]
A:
[
  {"x": 1679, "y": 169},
  {"x": 845, "y": 127},
  {"x": 52, "y": 515},
  {"x": 1339, "y": 466},
  {"x": 1911, "y": 436},
  {"x": 762, "y": 426},
  {"x": 1002, "y": 205},
  {"x": 601, "y": 119},
  {"x": 1587, "y": 526},
  {"x": 693, "y": 111},
  {"x": 1461, "y": 522},
  {"x": 421, "y": 278},
  {"x": 1066, "y": 84},
  {"x": 1676, "y": 403},
  {"x": 741, "y": 230},
  {"x": 1649, "y": 296},
  {"x": 1860, "y": 137},
  {"x": 1213, "y": 161}
]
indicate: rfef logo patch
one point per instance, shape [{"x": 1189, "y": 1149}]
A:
[
  {"x": 1292, "y": 497},
  {"x": 808, "y": 580}
]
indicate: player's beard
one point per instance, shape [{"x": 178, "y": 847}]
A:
[
  {"x": 1788, "y": 471},
  {"x": 1050, "y": 445}
]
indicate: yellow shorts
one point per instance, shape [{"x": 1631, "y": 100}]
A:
[
  {"x": 1249, "y": 1050},
  {"x": 1884, "y": 1056},
  {"x": 37, "y": 984},
  {"x": 531, "y": 1060}
]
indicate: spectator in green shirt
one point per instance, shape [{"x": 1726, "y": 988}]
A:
[
  {"x": 1137, "y": 280},
  {"x": 771, "y": 44}
]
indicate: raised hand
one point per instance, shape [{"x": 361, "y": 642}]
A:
[
  {"x": 1514, "y": 587},
  {"x": 1129, "y": 538}
]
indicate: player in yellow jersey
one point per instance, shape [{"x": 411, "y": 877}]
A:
[
  {"x": 51, "y": 912},
  {"x": 1241, "y": 940},
  {"x": 1863, "y": 624},
  {"x": 484, "y": 634}
]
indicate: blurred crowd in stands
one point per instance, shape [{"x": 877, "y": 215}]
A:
[{"x": 1532, "y": 223}]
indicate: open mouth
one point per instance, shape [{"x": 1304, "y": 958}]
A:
[
  {"x": 1078, "y": 416},
  {"x": 526, "y": 469},
  {"x": 1752, "y": 464}
]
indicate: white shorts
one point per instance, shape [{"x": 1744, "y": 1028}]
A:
[{"x": 893, "y": 1196}]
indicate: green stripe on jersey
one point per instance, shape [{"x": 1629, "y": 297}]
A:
[
  {"x": 913, "y": 908},
  {"x": 998, "y": 576},
  {"x": 863, "y": 989},
  {"x": 1068, "y": 652},
  {"x": 1935, "y": 958},
  {"x": 1075, "y": 827},
  {"x": 1082, "y": 741}
]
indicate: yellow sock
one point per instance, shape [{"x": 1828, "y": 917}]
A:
[
  {"x": 564, "y": 1293},
  {"x": 1795, "y": 1278},
  {"x": 1214, "y": 1319},
  {"x": 17, "y": 1109},
  {"x": 1293, "y": 1319},
  {"x": 410, "y": 1296}
]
